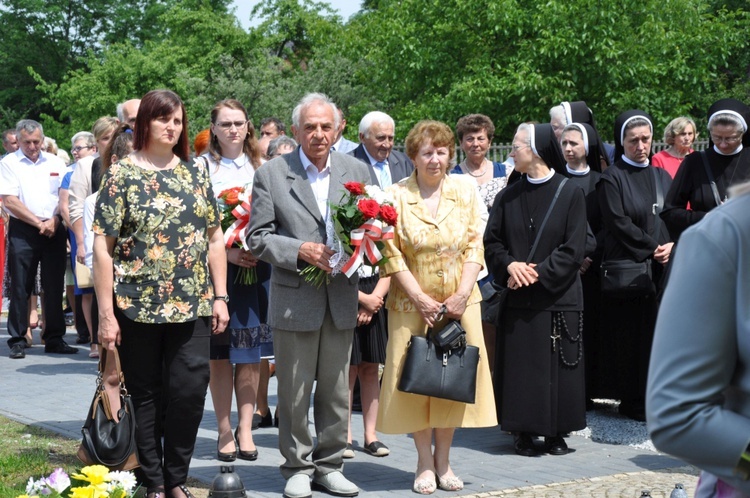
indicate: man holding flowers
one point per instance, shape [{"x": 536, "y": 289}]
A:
[{"x": 312, "y": 324}]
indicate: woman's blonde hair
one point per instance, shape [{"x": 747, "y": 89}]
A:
[{"x": 677, "y": 126}]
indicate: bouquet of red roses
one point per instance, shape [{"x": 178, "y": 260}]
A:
[
  {"x": 362, "y": 220},
  {"x": 235, "y": 218}
]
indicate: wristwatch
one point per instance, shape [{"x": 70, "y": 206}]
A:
[{"x": 222, "y": 298}]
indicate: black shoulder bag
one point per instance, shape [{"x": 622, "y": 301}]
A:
[{"x": 109, "y": 429}]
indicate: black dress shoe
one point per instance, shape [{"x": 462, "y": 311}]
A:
[
  {"x": 245, "y": 455},
  {"x": 83, "y": 340},
  {"x": 60, "y": 348},
  {"x": 524, "y": 445},
  {"x": 555, "y": 445},
  {"x": 262, "y": 420},
  {"x": 225, "y": 457},
  {"x": 17, "y": 352}
]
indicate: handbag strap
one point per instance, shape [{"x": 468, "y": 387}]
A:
[
  {"x": 712, "y": 182},
  {"x": 657, "y": 208},
  {"x": 112, "y": 382},
  {"x": 544, "y": 221}
]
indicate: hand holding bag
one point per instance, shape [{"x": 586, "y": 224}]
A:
[
  {"x": 441, "y": 373},
  {"x": 452, "y": 336},
  {"x": 109, "y": 429}
]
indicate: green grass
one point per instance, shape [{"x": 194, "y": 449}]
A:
[{"x": 28, "y": 451}]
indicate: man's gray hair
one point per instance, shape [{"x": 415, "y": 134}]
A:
[
  {"x": 278, "y": 142},
  {"x": 83, "y": 135},
  {"x": 374, "y": 117},
  {"x": 312, "y": 98},
  {"x": 29, "y": 126},
  {"x": 558, "y": 112}
]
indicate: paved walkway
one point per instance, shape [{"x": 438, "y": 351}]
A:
[{"x": 53, "y": 391}]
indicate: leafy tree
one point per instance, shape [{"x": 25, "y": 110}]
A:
[
  {"x": 513, "y": 60},
  {"x": 195, "y": 36}
]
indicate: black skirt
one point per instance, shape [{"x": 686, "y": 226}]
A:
[{"x": 370, "y": 340}]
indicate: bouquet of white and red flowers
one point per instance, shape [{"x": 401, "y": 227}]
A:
[
  {"x": 235, "y": 218},
  {"x": 359, "y": 224}
]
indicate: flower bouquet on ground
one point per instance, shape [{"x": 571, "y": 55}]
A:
[
  {"x": 235, "y": 218},
  {"x": 94, "y": 481},
  {"x": 357, "y": 227}
]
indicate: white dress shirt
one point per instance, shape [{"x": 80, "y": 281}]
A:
[
  {"x": 319, "y": 181},
  {"x": 36, "y": 184},
  {"x": 229, "y": 173}
]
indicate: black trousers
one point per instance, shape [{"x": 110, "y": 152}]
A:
[
  {"x": 166, "y": 373},
  {"x": 26, "y": 250}
]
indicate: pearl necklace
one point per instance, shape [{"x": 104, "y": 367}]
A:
[{"x": 466, "y": 168}]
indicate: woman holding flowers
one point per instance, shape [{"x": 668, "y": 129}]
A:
[
  {"x": 160, "y": 278},
  {"x": 433, "y": 260},
  {"x": 232, "y": 158}
]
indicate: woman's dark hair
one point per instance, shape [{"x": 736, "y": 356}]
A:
[
  {"x": 121, "y": 145},
  {"x": 250, "y": 147},
  {"x": 474, "y": 123},
  {"x": 156, "y": 104}
]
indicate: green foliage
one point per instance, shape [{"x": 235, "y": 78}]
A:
[
  {"x": 414, "y": 59},
  {"x": 513, "y": 60}
]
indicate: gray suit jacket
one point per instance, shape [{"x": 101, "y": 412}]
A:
[
  {"x": 284, "y": 215},
  {"x": 400, "y": 165}
]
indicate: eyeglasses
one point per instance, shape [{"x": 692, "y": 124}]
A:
[
  {"x": 516, "y": 148},
  {"x": 726, "y": 140},
  {"x": 79, "y": 148},
  {"x": 227, "y": 125}
]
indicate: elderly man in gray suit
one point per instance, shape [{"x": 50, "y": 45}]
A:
[
  {"x": 376, "y": 134},
  {"x": 313, "y": 326}
]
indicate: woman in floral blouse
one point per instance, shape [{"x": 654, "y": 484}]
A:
[{"x": 157, "y": 236}]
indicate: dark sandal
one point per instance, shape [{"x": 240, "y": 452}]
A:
[
  {"x": 185, "y": 490},
  {"x": 155, "y": 493}
]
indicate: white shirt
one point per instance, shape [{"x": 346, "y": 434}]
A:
[
  {"x": 35, "y": 184},
  {"x": 230, "y": 173},
  {"x": 319, "y": 181},
  {"x": 89, "y": 207}
]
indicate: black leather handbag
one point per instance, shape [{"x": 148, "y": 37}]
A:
[
  {"x": 625, "y": 278},
  {"x": 109, "y": 429},
  {"x": 441, "y": 373}
]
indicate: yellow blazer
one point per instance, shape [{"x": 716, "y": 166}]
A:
[{"x": 434, "y": 250}]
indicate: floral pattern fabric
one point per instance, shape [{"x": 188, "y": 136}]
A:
[{"x": 160, "y": 220}]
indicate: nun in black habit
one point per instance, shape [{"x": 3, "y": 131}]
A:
[
  {"x": 728, "y": 163},
  {"x": 579, "y": 112},
  {"x": 539, "y": 376},
  {"x": 633, "y": 231},
  {"x": 580, "y": 145}
]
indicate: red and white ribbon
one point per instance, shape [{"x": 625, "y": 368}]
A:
[
  {"x": 364, "y": 239},
  {"x": 237, "y": 231}
]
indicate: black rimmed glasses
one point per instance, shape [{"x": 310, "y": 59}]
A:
[
  {"x": 79, "y": 148},
  {"x": 227, "y": 125}
]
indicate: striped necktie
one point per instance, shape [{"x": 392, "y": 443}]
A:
[{"x": 385, "y": 174}]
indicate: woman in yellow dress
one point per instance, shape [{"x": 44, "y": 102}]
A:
[{"x": 434, "y": 259}]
